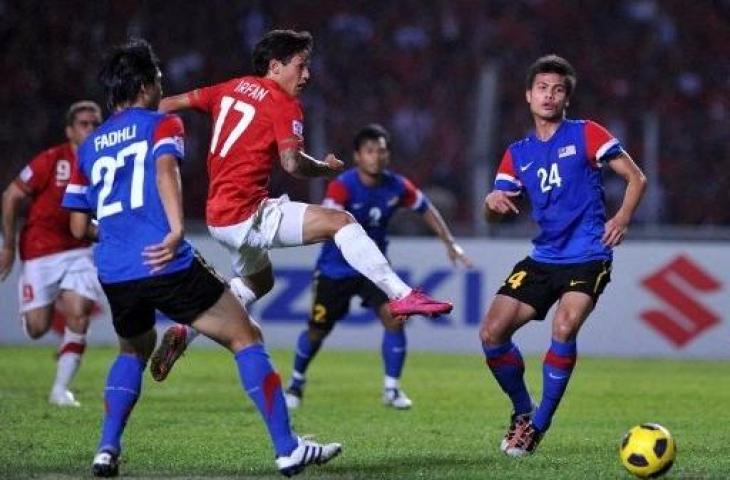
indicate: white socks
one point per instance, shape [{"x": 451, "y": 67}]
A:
[
  {"x": 364, "y": 256},
  {"x": 69, "y": 359},
  {"x": 244, "y": 294},
  {"x": 390, "y": 382}
]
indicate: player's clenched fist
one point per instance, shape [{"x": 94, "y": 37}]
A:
[
  {"x": 334, "y": 163},
  {"x": 500, "y": 201}
]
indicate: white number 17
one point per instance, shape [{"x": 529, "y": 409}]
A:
[{"x": 247, "y": 111}]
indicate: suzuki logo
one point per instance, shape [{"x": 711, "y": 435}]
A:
[{"x": 679, "y": 284}]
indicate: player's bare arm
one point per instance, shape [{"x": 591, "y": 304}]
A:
[
  {"x": 169, "y": 185},
  {"x": 175, "y": 103},
  {"x": 436, "y": 223},
  {"x": 82, "y": 228},
  {"x": 500, "y": 202},
  {"x": 300, "y": 165},
  {"x": 616, "y": 227},
  {"x": 13, "y": 198}
]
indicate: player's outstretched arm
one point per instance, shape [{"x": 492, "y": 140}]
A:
[
  {"x": 13, "y": 198},
  {"x": 438, "y": 225},
  {"x": 175, "y": 103},
  {"x": 169, "y": 186},
  {"x": 616, "y": 227},
  {"x": 500, "y": 202},
  {"x": 300, "y": 165}
]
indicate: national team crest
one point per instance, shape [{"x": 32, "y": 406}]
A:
[{"x": 566, "y": 151}]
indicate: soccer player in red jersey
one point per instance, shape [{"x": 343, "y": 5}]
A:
[
  {"x": 55, "y": 264},
  {"x": 257, "y": 120}
]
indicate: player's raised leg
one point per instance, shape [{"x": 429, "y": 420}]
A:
[
  {"x": 78, "y": 312},
  {"x": 318, "y": 224},
  {"x": 505, "y": 316},
  {"x": 228, "y": 324}
]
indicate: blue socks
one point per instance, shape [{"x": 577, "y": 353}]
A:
[
  {"x": 123, "y": 386},
  {"x": 393, "y": 350},
  {"x": 306, "y": 350},
  {"x": 505, "y": 362},
  {"x": 263, "y": 385},
  {"x": 557, "y": 367}
]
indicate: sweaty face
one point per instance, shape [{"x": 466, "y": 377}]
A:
[
  {"x": 548, "y": 97},
  {"x": 294, "y": 75},
  {"x": 373, "y": 156},
  {"x": 85, "y": 121}
]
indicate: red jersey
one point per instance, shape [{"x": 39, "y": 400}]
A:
[
  {"x": 47, "y": 230},
  {"x": 253, "y": 119}
]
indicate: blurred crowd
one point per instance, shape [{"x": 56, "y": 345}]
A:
[{"x": 412, "y": 66}]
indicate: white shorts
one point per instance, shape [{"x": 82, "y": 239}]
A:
[
  {"x": 277, "y": 223},
  {"x": 43, "y": 278}
]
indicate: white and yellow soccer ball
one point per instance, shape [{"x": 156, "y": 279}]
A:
[{"x": 648, "y": 450}]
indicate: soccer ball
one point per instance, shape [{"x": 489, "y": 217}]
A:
[{"x": 648, "y": 450}]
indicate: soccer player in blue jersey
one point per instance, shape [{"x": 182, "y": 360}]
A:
[
  {"x": 371, "y": 193},
  {"x": 558, "y": 167},
  {"x": 128, "y": 178}
]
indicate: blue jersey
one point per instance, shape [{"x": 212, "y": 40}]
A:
[
  {"x": 116, "y": 181},
  {"x": 562, "y": 179},
  {"x": 372, "y": 207}
]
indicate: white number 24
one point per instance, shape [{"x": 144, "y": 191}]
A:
[
  {"x": 105, "y": 169},
  {"x": 547, "y": 180}
]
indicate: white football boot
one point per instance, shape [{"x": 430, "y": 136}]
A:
[
  {"x": 63, "y": 398},
  {"x": 307, "y": 453},
  {"x": 396, "y": 398}
]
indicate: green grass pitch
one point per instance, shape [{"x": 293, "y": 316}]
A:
[{"x": 200, "y": 424}]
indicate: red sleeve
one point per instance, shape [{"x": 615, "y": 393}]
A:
[
  {"x": 169, "y": 137},
  {"x": 36, "y": 174},
  {"x": 288, "y": 124},
  {"x": 506, "y": 165},
  {"x": 337, "y": 195},
  {"x": 507, "y": 178},
  {"x": 598, "y": 142},
  {"x": 202, "y": 98},
  {"x": 411, "y": 197}
]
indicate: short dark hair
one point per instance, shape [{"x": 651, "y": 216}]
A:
[
  {"x": 553, "y": 64},
  {"x": 372, "y": 132},
  {"x": 279, "y": 45},
  {"x": 126, "y": 68},
  {"x": 81, "y": 106}
]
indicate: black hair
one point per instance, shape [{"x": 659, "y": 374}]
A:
[
  {"x": 81, "y": 106},
  {"x": 553, "y": 64},
  {"x": 373, "y": 132},
  {"x": 279, "y": 45},
  {"x": 126, "y": 68}
]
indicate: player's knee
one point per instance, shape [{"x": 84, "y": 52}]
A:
[
  {"x": 35, "y": 332},
  {"x": 78, "y": 323},
  {"x": 340, "y": 219},
  {"x": 34, "y": 326},
  {"x": 492, "y": 333},
  {"x": 565, "y": 328},
  {"x": 317, "y": 332}
]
